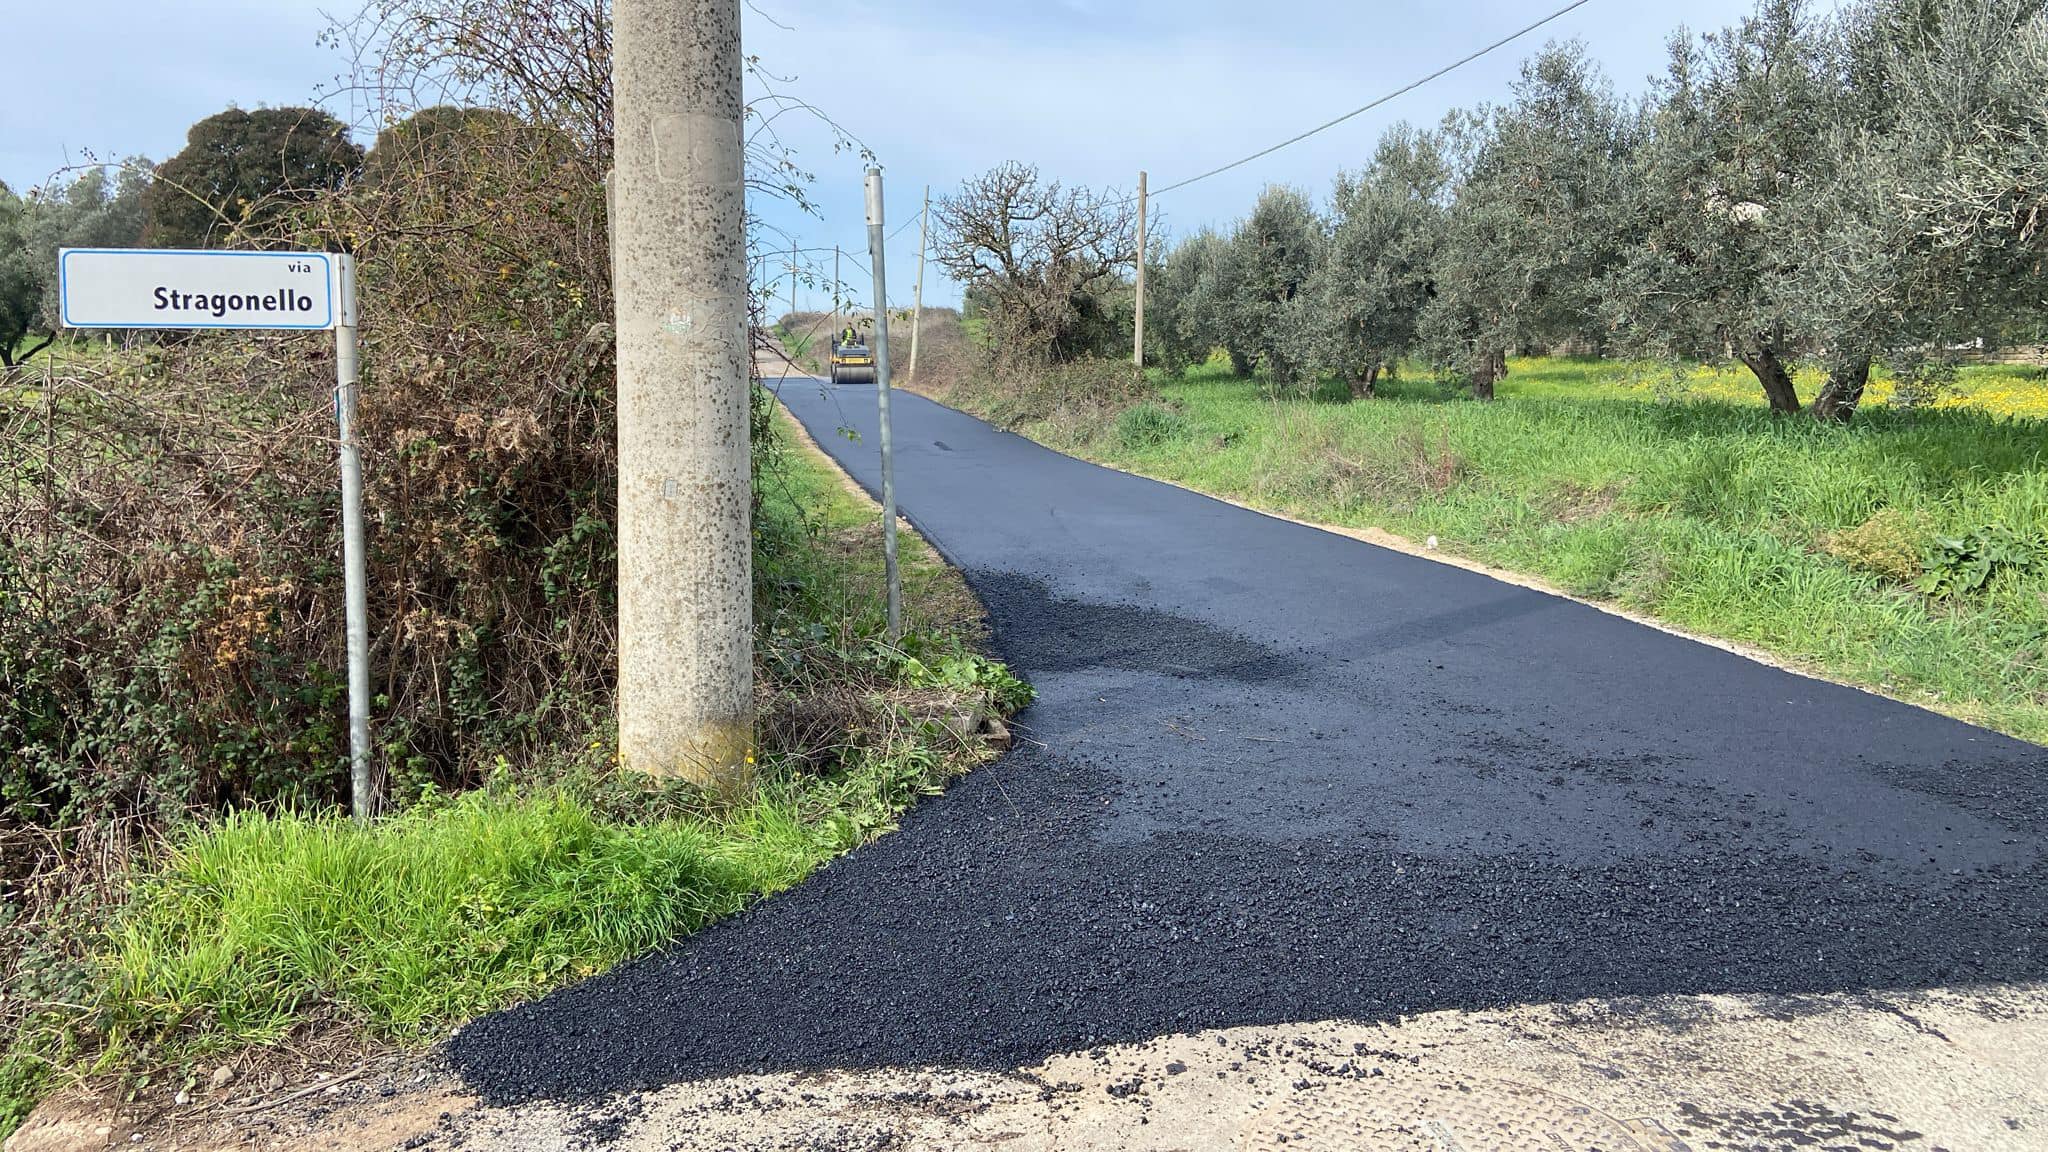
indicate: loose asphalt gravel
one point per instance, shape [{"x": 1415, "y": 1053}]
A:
[{"x": 1275, "y": 775}]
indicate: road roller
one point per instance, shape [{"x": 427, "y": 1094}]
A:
[{"x": 853, "y": 362}]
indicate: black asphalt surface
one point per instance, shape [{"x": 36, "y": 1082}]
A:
[{"x": 1276, "y": 774}]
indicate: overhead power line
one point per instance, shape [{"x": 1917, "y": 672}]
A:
[
  {"x": 1396, "y": 93},
  {"x": 846, "y": 253}
]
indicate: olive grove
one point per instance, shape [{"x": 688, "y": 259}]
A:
[{"x": 1834, "y": 189}]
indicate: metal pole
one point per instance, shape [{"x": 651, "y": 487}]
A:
[
  {"x": 685, "y": 694},
  {"x": 917, "y": 305},
  {"x": 1138, "y": 331},
  {"x": 875, "y": 246},
  {"x": 354, "y": 566}
]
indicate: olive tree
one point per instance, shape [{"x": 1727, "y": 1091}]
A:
[
  {"x": 1271, "y": 256},
  {"x": 1539, "y": 218},
  {"x": 100, "y": 207},
  {"x": 1379, "y": 273},
  {"x": 21, "y": 294},
  {"x": 1975, "y": 93},
  {"x": 1179, "y": 293},
  {"x": 1843, "y": 189},
  {"x": 1924, "y": 235},
  {"x": 1721, "y": 189},
  {"x": 1218, "y": 307}
]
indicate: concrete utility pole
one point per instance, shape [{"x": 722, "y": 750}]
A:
[
  {"x": 835, "y": 288},
  {"x": 792, "y": 277},
  {"x": 1138, "y": 334},
  {"x": 876, "y": 242},
  {"x": 686, "y": 699},
  {"x": 917, "y": 302}
]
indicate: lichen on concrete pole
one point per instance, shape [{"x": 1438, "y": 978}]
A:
[{"x": 679, "y": 275}]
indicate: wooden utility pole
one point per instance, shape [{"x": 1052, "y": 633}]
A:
[
  {"x": 679, "y": 275},
  {"x": 917, "y": 301},
  {"x": 1138, "y": 332}
]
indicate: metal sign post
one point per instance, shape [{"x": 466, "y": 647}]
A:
[
  {"x": 876, "y": 242},
  {"x": 275, "y": 291},
  {"x": 354, "y": 565}
]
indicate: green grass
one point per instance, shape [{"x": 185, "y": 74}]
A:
[
  {"x": 431, "y": 917},
  {"x": 1708, "y": 514},
  {"x": 245, "y": 928}
]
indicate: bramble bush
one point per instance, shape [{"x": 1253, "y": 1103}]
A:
[{"x": 171, "y": 633}]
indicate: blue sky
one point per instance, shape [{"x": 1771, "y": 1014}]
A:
[{"x": 1089, "y": 90}]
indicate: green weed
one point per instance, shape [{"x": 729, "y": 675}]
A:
[
  {"x": 1148, "y": 425},
  {"x": 967, "y": 671},
  {"x": 1957, "y": 565}
]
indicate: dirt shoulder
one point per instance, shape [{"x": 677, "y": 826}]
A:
[{"x": 1952, "y": 1068}]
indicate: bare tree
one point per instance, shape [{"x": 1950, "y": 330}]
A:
[
  {"x": 547, "y": 62},
  {"x": 1040, "y": 254}
]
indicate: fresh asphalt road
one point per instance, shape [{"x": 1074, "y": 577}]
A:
[{"x": 1276, "y": 774}]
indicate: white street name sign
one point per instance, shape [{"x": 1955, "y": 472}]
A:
[
  {"x": 309, "y": 291},
  {"x": 174, "y": 288}
]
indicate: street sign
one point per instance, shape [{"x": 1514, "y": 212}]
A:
[
  {"x": 182, "y": 288},
  {"x": 306, "y": 291}
]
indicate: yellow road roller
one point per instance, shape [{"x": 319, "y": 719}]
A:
[{"x": 853, "y": 362}]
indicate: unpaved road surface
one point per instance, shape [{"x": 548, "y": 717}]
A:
[{"x": 1310, "y": 842}]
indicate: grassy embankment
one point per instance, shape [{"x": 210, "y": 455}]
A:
[
  {"x": 247, "y": 929},
  {"x": 1675, "y": 497}
]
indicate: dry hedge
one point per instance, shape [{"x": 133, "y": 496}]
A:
[{"x": 170, "y": 601}]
